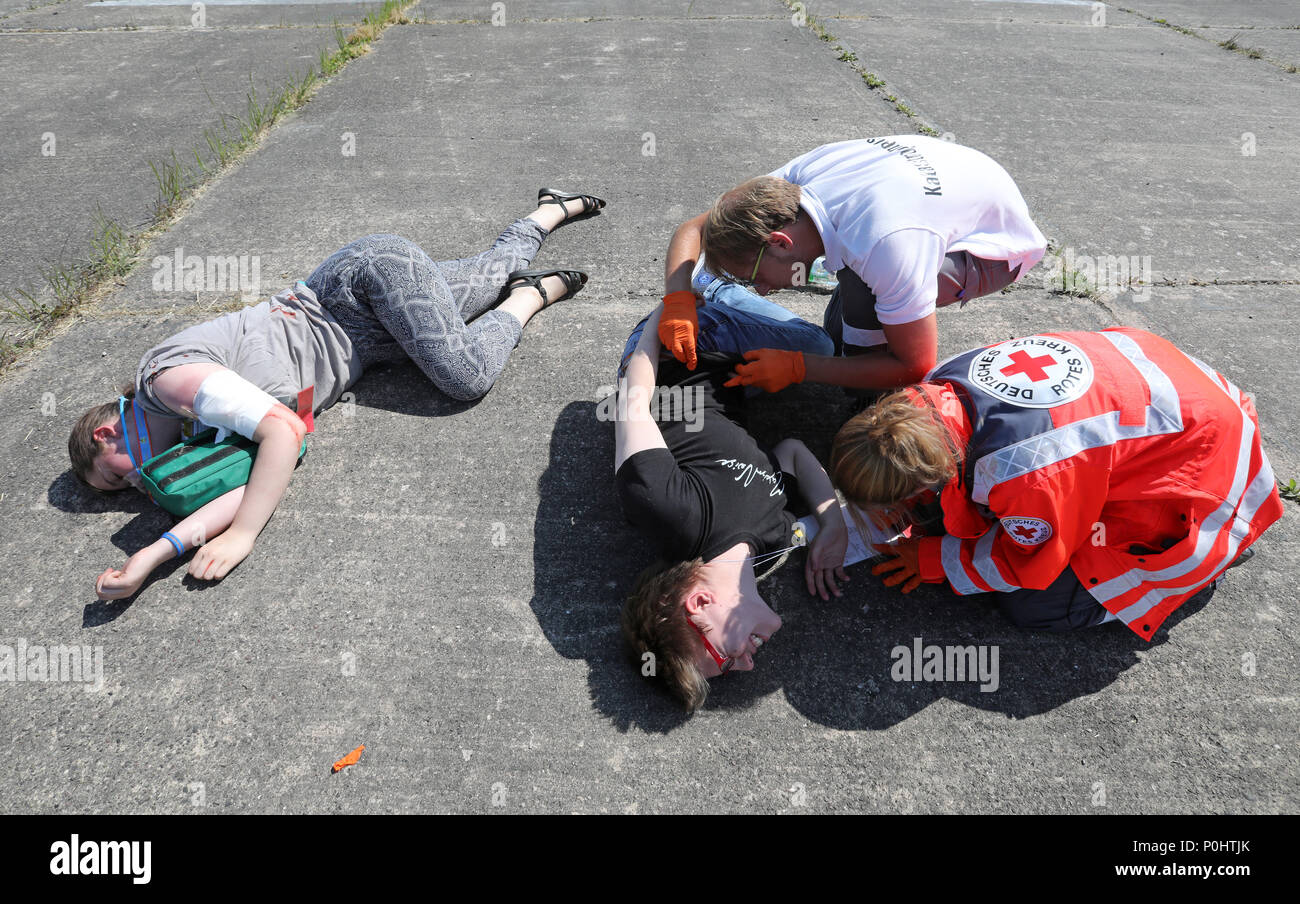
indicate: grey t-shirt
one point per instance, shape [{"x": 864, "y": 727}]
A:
[{"x": 290, "y": 347}]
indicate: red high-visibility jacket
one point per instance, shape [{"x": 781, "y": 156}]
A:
[{"x": 1113, "y": 453}]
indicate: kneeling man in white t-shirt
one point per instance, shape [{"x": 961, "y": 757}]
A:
[{"x": 907, "y": 223}]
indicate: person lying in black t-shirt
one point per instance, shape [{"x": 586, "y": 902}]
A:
[{"x": 690, "y": 476}]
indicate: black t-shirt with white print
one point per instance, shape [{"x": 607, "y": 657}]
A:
[{"x": 715, "y": 485}]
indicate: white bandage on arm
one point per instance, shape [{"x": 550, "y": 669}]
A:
[{"x": 230, "y": 403}]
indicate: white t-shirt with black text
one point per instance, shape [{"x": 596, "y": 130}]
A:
[{"x": 892, "y": 207}]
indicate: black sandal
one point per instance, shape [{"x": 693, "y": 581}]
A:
[
  {"x": 574, "y": 280},
  {"x": 591, "y": 205}
]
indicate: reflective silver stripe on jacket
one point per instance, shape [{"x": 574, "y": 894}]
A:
[
  {"x": 985, "y": 564},
  {"x": 954, "y": 569},
  {"x": 1253, "y": 496},
  {"x": 1163, "y": 415},
  {"x": 1240, "y": 504}
]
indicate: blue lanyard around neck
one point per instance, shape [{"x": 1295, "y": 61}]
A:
[{"x": 141, "y": 432}]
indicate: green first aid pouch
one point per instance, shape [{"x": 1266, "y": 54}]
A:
[{"x": 195, "y": 471}]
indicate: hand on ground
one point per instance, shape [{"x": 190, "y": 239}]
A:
[{"x": 213, "y": 561}]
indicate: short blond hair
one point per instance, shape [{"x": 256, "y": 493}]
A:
[
  {"x": 891, "y": 451},
  {"x": 654, "y": 622},
  {"x": 741, "y": 220}
]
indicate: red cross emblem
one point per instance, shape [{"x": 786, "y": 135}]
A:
[
  {"x": 1024, "y": 363},
  {"x": 1027, "y": 531},
  {"x": 1034, "y": 372}
]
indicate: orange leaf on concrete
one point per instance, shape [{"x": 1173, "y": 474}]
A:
[{"x": 350, "y": 759}]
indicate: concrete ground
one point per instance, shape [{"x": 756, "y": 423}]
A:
[
  {"x": 441, "y": 582},
  {"x": 1271, "y": 28},
  {"x": 97, "y": 93}
]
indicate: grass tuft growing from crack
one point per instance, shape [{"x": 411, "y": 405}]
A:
[
  {"x": 26, "y": 316},
  {"x": 844, "y": 55},
  {"x": 1167, "y": 24},
  {"x": 1073, "y": 284},
  {"x": 1231, "y": 43}
]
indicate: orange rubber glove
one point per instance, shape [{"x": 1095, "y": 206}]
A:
[
  {"x": 678, "y": 326},
  {"x": 906, "y": 565},
  {"x": 771, "y": 369}
]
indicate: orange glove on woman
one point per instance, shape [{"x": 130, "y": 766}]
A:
[
  {"x": 906, "y": 565},
  {"x": 678, "y": 326},
  {"x": 771, "y": 369}
]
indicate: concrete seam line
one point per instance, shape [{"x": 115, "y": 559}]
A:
[
  {"x": 850, "y": 58},
  {"x": 115, "y": 251},
  {"x": 1229, "y": 45}
]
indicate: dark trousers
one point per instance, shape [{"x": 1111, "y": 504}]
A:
[
  {"x": 851, "y": 315},
  {"x": 1064, "y": 606}
]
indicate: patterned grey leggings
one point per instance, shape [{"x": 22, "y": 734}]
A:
[{"x": 393, "y": 300}]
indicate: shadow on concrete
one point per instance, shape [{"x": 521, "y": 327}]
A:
[
  {"x": 102, "y": 612},
  {"x": 148, "y": 525},
  {"x": 837, "y": 664},
  {"x": 584, "y": 559},
  {"x": 402, "y": 388},
  {"x": 68, "y": 494},
  {"x": 831, "y": 659}
]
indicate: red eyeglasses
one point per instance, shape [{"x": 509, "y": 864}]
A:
[{"x": 724, "y": 663}]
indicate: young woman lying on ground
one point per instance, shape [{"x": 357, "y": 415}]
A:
[
  {"x": 1082, "y": 477},
  {"x": 690, "y": 476},
  {"x": 263, "y": 372}
]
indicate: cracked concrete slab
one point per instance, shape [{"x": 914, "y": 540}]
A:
[
  {"x": 10, "y": 7},
  {"x": 515, "y": 11},
  {"x": 78, "y": 15},
  {"x": 1277, "y": 45},
  {"x": 441, "y": 581},
  {"x": 69, "y": 147},
  {"x": 1228, "y": 13},
  {"x": 445, "y": 158},
  {"x": 1066, "y": 12},
  {"x": 1109, "y": 165}
]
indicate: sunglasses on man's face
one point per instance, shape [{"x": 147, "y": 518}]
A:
[{"x": 753, "y": 277}]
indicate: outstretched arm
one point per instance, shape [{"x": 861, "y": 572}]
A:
[
  {"x": 679, "y": 325},
  {"x": 910, "y": 356},
  {"x": 903, "y": 273},
  {"x": 194, "y": 530},
  {"x": 639, "y": 431}
]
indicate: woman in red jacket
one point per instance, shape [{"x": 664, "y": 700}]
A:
[{"x": 1083, "y": 477}]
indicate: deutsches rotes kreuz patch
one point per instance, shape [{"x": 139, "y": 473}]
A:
[
  {"x": 1027, "y": 531},
  {"x": 1034, "y": 372}
]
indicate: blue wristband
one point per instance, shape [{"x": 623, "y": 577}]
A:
[{"x": 176, "y": 544}]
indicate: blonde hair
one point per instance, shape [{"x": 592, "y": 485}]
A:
[
  {"x": 740, "y": 221},
  {"x": 654, "y": 621},
  {"x": 892, "y": 450}
]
